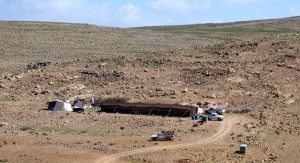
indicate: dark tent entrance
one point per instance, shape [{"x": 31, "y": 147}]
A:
[{"x": 148, "y": 109}]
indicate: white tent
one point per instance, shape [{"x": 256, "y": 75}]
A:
[
  {"x": 58, "y": 105},
  {"x": 79, "y": 104},
  {"x": 200, "y": 111}
]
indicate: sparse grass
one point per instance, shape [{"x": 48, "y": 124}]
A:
[
  {"x": 277, "y": 131},
  {"x": 206, "y": 30},
  {"x": 4, "y": 160},
  {"x": 112, "y": 144},
  {"x": 24, "y": 128},
  {"x": 78, "y": 142}
]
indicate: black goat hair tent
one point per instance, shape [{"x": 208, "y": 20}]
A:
[{"x": 148, "y": 109}]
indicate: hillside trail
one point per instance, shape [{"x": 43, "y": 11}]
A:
[{"x": 225, "y": 127}]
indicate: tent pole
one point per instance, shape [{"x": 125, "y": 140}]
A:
[
  {"x": 151, "y": 110},
  {"x": 184, "y": 113},
  {"x": 115, "y": 108},
  {"x": 132, "y": 111},
  {"x": 169, "y": 112}
]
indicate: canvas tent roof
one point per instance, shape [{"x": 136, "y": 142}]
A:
[
  {"x": 58, "y": 105},
  {"x": 79, "y": 104}
]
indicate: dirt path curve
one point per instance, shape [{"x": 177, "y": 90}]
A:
[{"x": 225, "y": 127}]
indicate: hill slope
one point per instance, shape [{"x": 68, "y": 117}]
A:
[
  {"x": 236, "y": 30},
  {"x": 256, "y": 70}
]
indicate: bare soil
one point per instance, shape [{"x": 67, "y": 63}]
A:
[{"x": 254, "y": 66}]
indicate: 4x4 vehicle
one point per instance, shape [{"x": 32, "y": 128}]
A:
[
  {"x": 218, "y": 110},
  {"x": 214, "y": 116},
  {"x": 163, "y": 135}
]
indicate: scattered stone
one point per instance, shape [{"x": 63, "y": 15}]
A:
[
  {"x": 45, "y": 92},
  {"x": 232, "y": 70},
  {"x": 290, "y": 66},
  {"x": 235, "y": 79},
  {"x": 210, "y": 96},
  {"x": 51, "y": 83},
  {"x": 185, "y": 90},
  {"x": 2, "y": 86},
  {"x": 159, "y": 89},
  {"x": 103, "y": 64},
  {"x": 4, "y": 124},
  {"x": 287, "y": 95},
  {"x": 272, "y": 156},
  {"x": 38, "y": 65},
  {"x": 89, "y": 72},
  {"x": 290, "y": 101},
  {"x": 173, "y": 96},
  {"x": 249, "y": 93},
  {"x": 19, "y": 76}
]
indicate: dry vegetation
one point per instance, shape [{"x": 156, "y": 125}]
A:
[{"x": 255, "y": 66}]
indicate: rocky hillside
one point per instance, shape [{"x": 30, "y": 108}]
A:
[
  {"x": 42, "y": 61},
  {"x": 254, "y": 66}
]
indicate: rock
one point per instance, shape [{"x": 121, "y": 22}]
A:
[
  {"x": 231, "y": 70},
  {"x": 280, "y": 64},
  {"x": 173, "y": 96},
  {"x": 172, "y": 92},
  {"x": 103, "y": 64},
  {"x": 287, "y": 95},
  {"x": 19, "y": 76},
  {"x": 159, "y": 89},
  {"x": 4, "y": 124},
  {"x": 11, "y": 79},
  {"x": 45, "y": 92},
  {"x": 185, "y": 90},
  {"x": 146, "y": 70},
  {"x": 89, "y": 72},
  {"x": 272, "y": 156},
  {"x": 256, "y": 72},
  {"x": 38, "y": 65},
  {"x": 249, "y": 93},
  {"x": 35, "y": 92},
  {"x": 210, "y": 96},
  {"x": 51, "y": 83},
  {"x": 290, "y": 66},
  {"x": 290, "y": 101},
  {"x": 235, "y": 79},
  {"x": 2, "y": 86}
]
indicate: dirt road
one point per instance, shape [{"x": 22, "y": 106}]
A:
[{"x": 223, "y": 130}]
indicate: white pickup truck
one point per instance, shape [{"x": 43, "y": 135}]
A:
[
  {"x": 163, "y": 135},
  {"x": 214, "y": 116}
]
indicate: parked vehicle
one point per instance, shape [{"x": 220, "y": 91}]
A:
[
  {"x": 163, "y": 135},
  {"x": 214, "y": 116},
  {"x": 219, "y": 110}
]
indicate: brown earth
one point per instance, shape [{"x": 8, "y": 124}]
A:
[{"x": 254, "y": 66}]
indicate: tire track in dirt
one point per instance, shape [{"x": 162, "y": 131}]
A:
[{"x": 225, "y": 127}]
